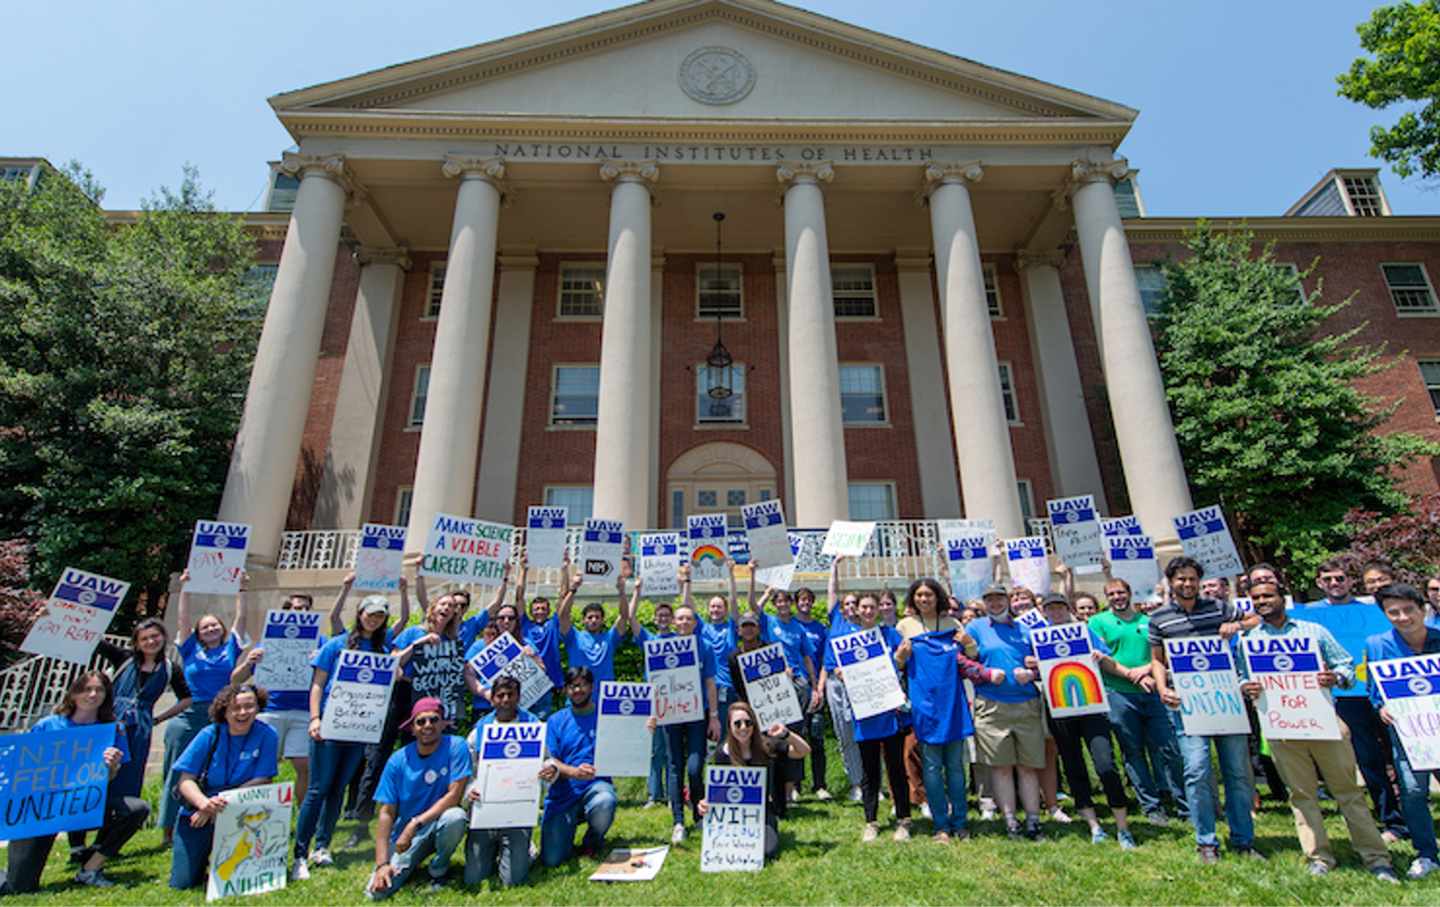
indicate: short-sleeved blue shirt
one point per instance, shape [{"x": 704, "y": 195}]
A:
[
  {"x": 1003, "y": 646},
  {"x": 544, "y": 638},
  {"x": 235, "y": 761},
  {"x": 328, "y": 655},
  {"x": 207, "y": 671},
  {"x": 413, "y": 783},
  {"x": 571, "y": 739},
  {"x": 793, "y": 638},
  {"x": 721, "y": 639},
  {"x": 595, "y": 651}
]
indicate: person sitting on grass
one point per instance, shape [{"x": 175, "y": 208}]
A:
[
  {"x": 499, "y": 851},
  {"x": 745, "y": 744},
  {"x": 576, "y": 792}
]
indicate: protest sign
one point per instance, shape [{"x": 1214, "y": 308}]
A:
[
  {"x": 968, "y": 527},
  {"x": 1069, "y": 674},
  {"x": 660, "y": 563},
  {"x": 967, "y": 555},
  {"x": 1203, "y": 674},
  {"x": 217, "y": 557},
  {"x": 359, "y": 697},
  {"x": 504, "y": 657},
  {"x": 765, "y": 533},
  {"x": 734, "y": 834},
  {"x": 545, "y": 536},
  {"x": 507, "y": 775},
  {"x": 1075, "y": 532},
  {"x": 252, "y": 841},
  {"x": 1410, "y": 688},
  {"x": 622, "y": 741},
  {"x": 1032, "y": 619},
  {"x": 709, "y": 546},
  {"x": 603, "y": 549},
  {"x": 770, "y": 690},
  {"x": 672, "y": 666},
  {"x": 867, "y": 672},
  {"x": 1205, "y": 537},
  {"x": 1292, "y": 705},
  {"x": 847, "y": 538},
  {"x": 1029, "y": 564},
  {"x": 289, "y": 640},
  {"x": 781, "y": 576},
  {"x": 1132, "y": 558},
  {"x": 379, "y": 558},
  {"x": 53, "y": 781},
  {"x": 464, "y": 550},
  {"x": 625, "y": 865},
  {"x": 1121, "y": 525},
  {"x": 1351, "y": 625},
  {"x": 75, "y": 616}
]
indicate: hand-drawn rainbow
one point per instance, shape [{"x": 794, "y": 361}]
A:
[
  {"x": 1073, "y": 685},
  {"x": 707, "y": 554}
]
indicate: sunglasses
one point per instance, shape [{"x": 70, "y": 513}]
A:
[
  {"x": 507, "y": 618},
  {"x": 426, "y": 720},
  {"x": 742, "y": 722}
]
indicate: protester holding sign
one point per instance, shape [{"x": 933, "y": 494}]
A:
[
  {"x": 503, "y": 852},
  {"x": 815, "y": 634},
  {"x": 1404, "y": 607},
  {"x": 575, "y": 793},
  {"x": 506, "y": 623},
  {"x": 235, "y": 750},
  {"x": 208, "y": 654},
  {"x": 435, "y": 665},
  {"x": 88, "y": 701},
  {"x": 541, "y": 631},
  {"x": 592, "y": 645},
  {"x": 746, "y": 744},
  {"x": 655, "y": 784},
  {"x": 842, "y": 717},
  {"x": 719, "y": 631}
]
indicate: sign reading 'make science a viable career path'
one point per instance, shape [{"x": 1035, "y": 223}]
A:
[
  {"x": 76, "y": 616},
  {"x": 217, "y": 557},
  {"x": 1293, "y": 705},
  {"x": 52, "y": 781},
  {"x": 379, "y": 558},
  {"x": 359, "y": 697},
  {"x": 1411, "y": 690},
  {"x": 463, "y": 550},
  {"x": 1203, "y": 674}
]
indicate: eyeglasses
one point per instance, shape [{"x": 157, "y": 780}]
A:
[
  {"x": 427, "y": 720},
  {"x": 742, "y": 722}
]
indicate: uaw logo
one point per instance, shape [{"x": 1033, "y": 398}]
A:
[
  {"x": 1199, "y": 663},
  {"x": 1125, "y": 553},
  {"x": 501, "y": 660},
  {"x": 1065, "y": 516},
  {"x": 365, "y": 675},
  {"x": 86, "y": 597},
  {"x": 292, "y": 632},
  {"x": 1420, "y": 686},
  {"x": 221, "y": 540},
  {"x": 1062, "y": 649},
  {"x": 734, "y": 794},
  {"x": 512, "y": 749},
  {"x": 627, "y": 706},
  {"x": 1284, "y": 663},
  {"x": 763, "y": 669},
  {"x": 860, "y": 653},
  {"x": 430, "y": 776},
  {"x": 672, "y": 660}
]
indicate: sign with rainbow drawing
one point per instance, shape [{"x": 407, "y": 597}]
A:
[
  {"x": 709, "y": 545},
  {"x": 1068, "y": 671}
]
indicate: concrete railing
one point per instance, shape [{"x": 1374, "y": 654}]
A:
[{"x": 32, "y": 688}]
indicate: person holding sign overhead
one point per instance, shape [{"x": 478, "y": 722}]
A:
[
  {"x": 745, "y": 744},
  {"x": 540, "y": 631},
  {"x": 592, "y": 646},
  {"x": 504, "y": 852},
  {"x": 719, "y": 631},
  {"x": 842, "y": 717},
  {"x": 433, "y": 655},
  {"x": 575, "y": 793}
]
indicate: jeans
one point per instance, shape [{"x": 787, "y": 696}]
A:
[
  {"x": 439, "y": 838},
  {"x": 596, "y": 807},
  {"x": 1371, "y": 740},
  {"x": 944, "y": 771},
  {"x": 659, "y": 765},
  {"x": 124, "y": 816},
  {"x": 509, "y": 848},
  {"x": 331, "y": 765},
  {"x": 190, "y": 854},
  {"x": 1234, "y": 753},
  {"x": 814, "y": 733},
  {"x": 1152, "y": 756},
  {"x": 179, "y": 732},
  {"x": 892, "y": 748},
  {"x": 1415, "y": 801},
  {"x": 686, "y": 743},
  {"x": 843, "y": 720}
]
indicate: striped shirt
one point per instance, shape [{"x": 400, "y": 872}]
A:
[{"x": 1174, "y": 622}]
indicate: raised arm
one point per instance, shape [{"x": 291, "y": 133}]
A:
[
  {"x": 499, "y": 599},
  {"x": 630, "y": 619},
  {"x": 183, "y": 626},
  {"x": 730, "y": 579},
  {"x": 1067, "y": 581},
  {"x": 687, "y": 600},
  {"x": 750, "y": 603},
  {"x": 238, "y": 627},
  {"x": 832, "y": 588},
  {"x": 520, "y": 584},
  {"x": 337, "y": 619},
  {"x": 567, "y": 601}
]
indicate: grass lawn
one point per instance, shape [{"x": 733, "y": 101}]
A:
[{"x": 823, "y": 862}]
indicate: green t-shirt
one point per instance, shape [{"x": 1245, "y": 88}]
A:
[{"x": 1129, "y": 642}]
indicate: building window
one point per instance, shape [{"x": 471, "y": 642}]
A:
[
  {"x": 709, "y": 410},
  {"x": 718, "y": 293},
  {"x": 578, "y": 499},
  {"x": 404, "y": 497},
  {"x": 1430, "y": 374},
  {"x": 576, "y": 396},
  {"x": 1364, "y": 196},
  {"x": 1151, "y": 281},
  {"x": 255, "y": 291},
  {"x": 853, "y": 288},
  {"x": 862, "y": 395},
  {"x": 582, "y": 291},
  {"x": 992, "y": 291},
  {"x": 677, "y": 508},
  {"x": 1410, "y": 288},
  {"x": 872, "y": 500},
  {"x": 435, "y": 291},
  {"x": 1007, "y": 394},
  {"x": 418, "y": 395},
  {"x": 1027, "y": 500},
  {"x": 15, "y": 174},
  {"x": 283, "y": 189},
  {"x": 735, "y": 497},
  {"x": 708, "y": 497}
]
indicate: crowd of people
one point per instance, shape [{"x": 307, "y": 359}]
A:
[{"x": 972, "y": 710}]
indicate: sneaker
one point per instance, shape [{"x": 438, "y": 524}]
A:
[
  {"x": 1209, "y": 854},
  {"x": 940, "y": 837},
  {"x": 438, "y": 885},
  {"x": 1098, "y": 836},
  {"x": 1059, "y": 815},
  {"x": 1318, "y": 868},
  {"x": 1422, "y": 867},
  {"x": 650, "y": 804},
  {"x": 320, "y": 856},
  {"x": 960, "y": 834},
  {"x": 856, "y": 794},
  {"x": 1385, "y": 874},
  {"x": 822, "y": 794},
  {"x": 1158, "y": 818},
  {"x": 1012, "y": 828},
  {"x": 358, "y": 837},
  {"x": 902, "y": 831},
  {"x": 925, "y": 811},
  {"x": 794, "y": 796},
  {"x": 94, "y": 878},
  {"x": 1127, "y": 840},
  {"x": 987, "y": 814},
  {"x": 1249, "y": 853},
  {"x": 1032, "y": 828},
  {"x": 677, "y": 834},
  {"x": 1389, "y": 837},
  {"x": 872, "y": 831},
  {"x": 300, "y": 872}
]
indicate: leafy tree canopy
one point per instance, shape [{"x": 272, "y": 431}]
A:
[{"x": 1403, "y": 44}]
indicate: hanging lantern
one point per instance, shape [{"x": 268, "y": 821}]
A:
[{"x": 719, "y": 362}]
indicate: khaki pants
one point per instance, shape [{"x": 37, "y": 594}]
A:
[{"x": 1297, "y": 760}]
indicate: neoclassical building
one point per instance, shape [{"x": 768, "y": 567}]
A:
[{"x": 501, "y": 276}]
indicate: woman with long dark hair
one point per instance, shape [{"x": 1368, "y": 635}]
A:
[
  {"x": 746, "y": 744},
  {"x": 139, "y": 683}
]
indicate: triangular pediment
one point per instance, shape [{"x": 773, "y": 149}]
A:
[{"x": 697, "y": 60}]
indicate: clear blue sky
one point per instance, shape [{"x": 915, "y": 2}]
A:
[{"x": 1238, "y": 111}]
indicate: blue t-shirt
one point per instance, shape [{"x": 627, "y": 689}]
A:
[
  {"x": 1385, "y": 646},
  {"x": 64, "y": 722},
  {"x": 793, "y": 640},
  {"x": 817, "y": 632},
  {"x": 571, "y": 739},
  {"x": 721, "y": 639},
  {"x": 876, "y": 727},
  {"x": 294, "y": 700},
  {"x": 236, "y": 760},
  {"x": 413, "y": 783},
  {"x": 471, "y": 628},
  {"x": 1003, "y": 646},
  {"x": 207, "y": 671},
  {"x": 544, "y": 638},
  {"x": 937, "y": 697},
  {"x": 327, "y": 656},
  {"x": 595, "y": 651},
  {"x": 478, "y": 702}
]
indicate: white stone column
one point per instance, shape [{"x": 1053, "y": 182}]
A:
[
  {"x": 348, "y": 477},
  {"x": 1149, "y": 453},
  {"x": 267, "y": 446},
  {"x": 816, "y": 428},
  {"x": 450, "y": 437},
  {"x": 505, "y": 395},
  {"x": 622, "y": 425},
  {"x": 657, "y": 343},
  {"x": 939, "y": 491},
  {"x": 982, "y": 434},
  {"x": 787, "y": 440}
]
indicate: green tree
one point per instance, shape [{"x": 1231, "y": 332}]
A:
[
  {"x": 1403, "y": 43},
  {"x": 1269, "y": 420},
  {"x": 124, "y": 355}
]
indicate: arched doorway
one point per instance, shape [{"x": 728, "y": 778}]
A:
[{"x": 718, "y": 477}]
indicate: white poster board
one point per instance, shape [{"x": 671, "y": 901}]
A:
[
  {"x": 289, "y": 639},
  {"x": 379, "y": 558},
  {"x": 505, "y": 657},
  {"x": 1132, "y": 558},
  {"x": 1069, "y": 674},
  {"x": 627, "y": 865},
  {"x": 622, "y": 741},
  {"x": 847, "y": 538},
  {"x": 465, "y": 550},
  {"x": 1205, "y": 537},
  {"x": 217, "y": 557},
  {"x": 660, "y": 563},
  {"x": 1292, "y": 704},
  {"x": 967, "y": 555},
  {"x": 1032, "y": 618},
  {"x": 252, "y": 841},
  {"x": 1121, "y": 525},
  {"x": 781, "y": 576},
  {"x": 733, "y": 839},
  {"x": 957, "y": 528},
  {"x": 672, "y": 665},
  {"x": 1410, "y": 688},
  {"x": 76, "y": 616},
  {"x": 359, "y": 697},
  {"x": 603, "y": 548},
  {"x": 1075, "y": 532},
  {"x": 1203, "y": 674},
  {"x": 507, "y": 774},
  {"x": 765, "y": 531},
  {"x": 1029, "y": 564},
  {"x": 867, "y": 672},
  {"x": 768, "y": 687},
  {"x": 545, "y": 536}
]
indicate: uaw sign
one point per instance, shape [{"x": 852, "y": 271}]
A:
[
  {"x": 545, "y": 536},
  {"x": 672, "y": 665},
  {"x": 463, "y": 550},
  {"x": 1121, "y": 525},
  {"x": 217, "y": 557},
  {"x": 359, "y": 697},
  {"x": 968, "y": 559},
  {"x": 289, "y": 640},
  {"x": 1029, "y": 564},
  {"x": 76, "y": 616},
  {"x": 768, "y": 686},
  {"x": 867, "y": 672},
  {"x": 504, "y": 657},
  {"x": 379, "y": 558},
  {"x": 622, "y": 738},
  {"x": 765, "y": 532},
  {"x": 1203, "y": 675},
  {"x": 733, "y": 839},
  {"x": 1293, "y": 705},
  {"x": 1410, "y": 688},
  {"x": 507, "y": 774},
  {"x": 1075, "y": 531},
  {"x": 660, "y": 563},
  {"x": 1205, "y": 537},
  {"x": 603, "y": 548},
  {"x": 1132, "y": 558}
]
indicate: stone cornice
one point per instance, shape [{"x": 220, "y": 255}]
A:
[
  {"x": 1037, "y": 258},
  {"x": 329, "y": 166},
  {"x": 264, "y": 225},
  {"x": 802, "y": 174}
]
